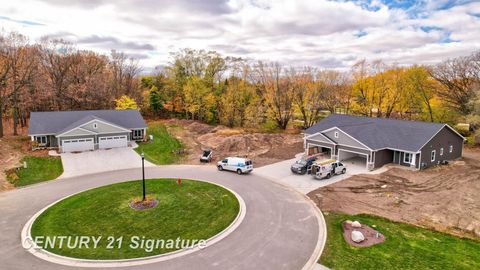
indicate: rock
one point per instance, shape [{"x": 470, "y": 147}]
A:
[
  {"x": 357, "y": 236},
  {"x": 356, "y": 224},
  {"x": 374, "y": 226},
  {"x": 384, "y": 186},
  {"x": 349, "y": 222}
]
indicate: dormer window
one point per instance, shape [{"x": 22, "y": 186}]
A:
[
  {"x": 95, "y": 125},
  {"x": 336, "y": 134}
]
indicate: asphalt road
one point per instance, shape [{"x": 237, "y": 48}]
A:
[{"x": 280, "y": 229}]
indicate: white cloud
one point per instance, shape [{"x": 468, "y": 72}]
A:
[{"x": 308, "y": 32}]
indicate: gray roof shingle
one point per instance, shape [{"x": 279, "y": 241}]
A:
[
  {"x": 55, "y": 122},
  {"x": 378, "y": 133}
]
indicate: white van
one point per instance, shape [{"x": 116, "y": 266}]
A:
[
  {"x": 327, "y": 168},
  {"x": 235, "y": 164}
]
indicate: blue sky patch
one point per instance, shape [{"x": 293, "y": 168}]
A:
[{"x": 24, "y": 22}]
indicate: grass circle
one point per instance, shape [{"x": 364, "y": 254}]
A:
[{"x": 193, "y": 210}]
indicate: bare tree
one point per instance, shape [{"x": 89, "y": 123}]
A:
[
  {"x": 57, "y": 61},
  {"x": 459, "y": 76}
]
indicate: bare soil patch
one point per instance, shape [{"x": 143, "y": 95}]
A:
[
  {"x": 262, "y": 148},
  {"x": 443, "y": 198},
  {"x": 372, "y": 236}
]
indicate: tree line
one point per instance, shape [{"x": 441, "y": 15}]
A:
[
  {"x": 206, "y": 86},
  {"x": 54, "y": 75}
]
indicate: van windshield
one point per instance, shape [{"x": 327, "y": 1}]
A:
[{"x": 248, "y": 162}]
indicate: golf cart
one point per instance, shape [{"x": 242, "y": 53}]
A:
[{"x": 206, "y": 156}]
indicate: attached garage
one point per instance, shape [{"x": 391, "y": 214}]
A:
[
  {"x": 112, "y": 142},
  {"x": 352, "y": 157},
  {"x": 78, "y": 145}
]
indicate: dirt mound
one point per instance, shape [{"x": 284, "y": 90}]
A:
[
  {"x": 262, "y": 148},
  {"x": 444, "y": 198}
]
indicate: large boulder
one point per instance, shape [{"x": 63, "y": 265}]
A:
[
  {"x": 356, "y": 224},
  {"x": 357, "y": 236}
]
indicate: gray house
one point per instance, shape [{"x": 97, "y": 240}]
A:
[
  {"x": 378, "y": 141},
  {"x": 73, "y": 131}
]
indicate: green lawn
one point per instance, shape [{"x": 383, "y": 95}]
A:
[
  {"x": 162, "y": 149},
  {"x": 193, "y": 210},
  {"x": 38, "y": 169},
  {"x": 406, "y": 247}
]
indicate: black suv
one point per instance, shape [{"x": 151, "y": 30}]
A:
[{"x": 302, "y": 166}]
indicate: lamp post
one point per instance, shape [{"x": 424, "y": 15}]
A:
[{"x": 143, "y": 175}]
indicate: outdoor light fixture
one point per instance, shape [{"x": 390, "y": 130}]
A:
[{"x": 143, "y": 174}]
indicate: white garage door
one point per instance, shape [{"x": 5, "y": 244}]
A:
[
  {"x": 112, "y": 142},
  {"x": 77, "y": 145}
]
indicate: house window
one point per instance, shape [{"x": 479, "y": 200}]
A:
[
  {"x": 137, "y": 134},
  {"x": 41, "y": 140},
  {"x": 432, "y": 155},
  {"x": 407, "y": 157},
  {"x": 336, "y": 134},
  {"x": 441, "y": 151},
  {"x": 450, "y": 148},
  {"x": 95, "y": 126}
]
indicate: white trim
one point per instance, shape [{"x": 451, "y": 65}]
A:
[
  {"x": 97, "y": 134},
  {"x": 80, "y": 128},
  {"x": 318, "y": 133},
  {"x": 321, "y": 142},
  {"x": 433, "y": 155},
  {"x": 349, "y": 136},
  {"x": 40, "y": 134},
  {"x": 331, "y": 149},
  {"x": 420, "y": 161},
  {"x": 411, "y": 157},
  {"x": 96, "y": 119},
  {"x": 444, "y": 125},
  {"x": 366, "y": 156},
  {"x": 356, "y": 147},
  {"x": 452, "y": 129}
]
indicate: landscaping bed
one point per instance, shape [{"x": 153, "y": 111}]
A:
[
  {"x": 192, "y": 210},
  {"x": 405, "y": 247}
]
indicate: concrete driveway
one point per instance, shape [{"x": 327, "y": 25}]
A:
[
  {"x": 281, "y": 228},
  {"x": 97, "y": 161},
  {"x": 280, "y": 172}
]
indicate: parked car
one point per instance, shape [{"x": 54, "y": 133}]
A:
[
  {"x": 236, "y": 164},
  {"x": 206, "y": 155},
  {"x": 303, "y": 165},
  {"x": 327, "y": 168}
]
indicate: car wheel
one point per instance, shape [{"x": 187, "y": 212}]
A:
[
  {"x": 328, "y": 176},
  {"x": 239, "y": 171},
  {"x": 220, "y": 168},
  {"x": 344, "y": 171}
]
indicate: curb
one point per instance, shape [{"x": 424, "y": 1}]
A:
[{"x": 68, "y": 261}]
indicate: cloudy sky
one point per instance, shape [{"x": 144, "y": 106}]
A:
[{"x": 321, "y": 33}]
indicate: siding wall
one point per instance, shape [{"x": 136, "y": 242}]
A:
[
  {"x": 443, "y": 139},
  {"x": 101, "y": 127},
  {"x": 383, "y": 157},
  {"x": 342, "y": 138}
]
